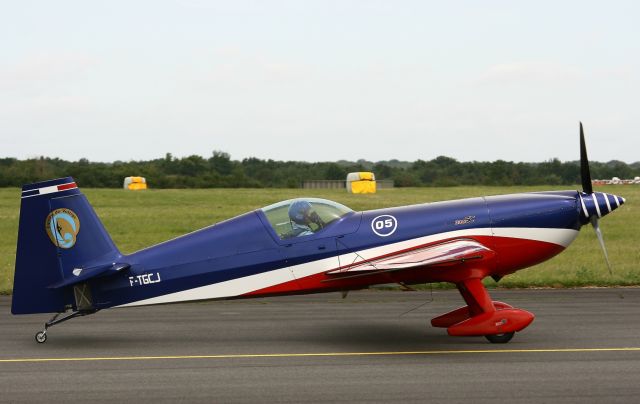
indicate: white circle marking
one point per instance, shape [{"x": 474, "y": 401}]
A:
[{"x": 384, "y": 225}]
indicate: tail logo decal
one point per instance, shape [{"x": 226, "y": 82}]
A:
[{"x": 62, "y": 227}]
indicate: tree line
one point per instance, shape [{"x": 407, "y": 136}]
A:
[{"x": 220, "y": 171}]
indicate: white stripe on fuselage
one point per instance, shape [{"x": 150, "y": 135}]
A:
[
  {"x": 248, "y": 284},
  {"x": 562, "y": 237}
]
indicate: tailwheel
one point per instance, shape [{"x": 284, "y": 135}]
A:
[
  {"x": 500, "y": 338},
  {"x": 41, "y": 337}
]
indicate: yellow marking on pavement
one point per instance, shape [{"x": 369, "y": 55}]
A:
[{"x": 319, "y": 354}]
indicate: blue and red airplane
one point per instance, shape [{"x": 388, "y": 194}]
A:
[{"x": 67, "y": 264}]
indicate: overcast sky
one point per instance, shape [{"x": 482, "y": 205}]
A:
[{"x": 320, "y": 80}]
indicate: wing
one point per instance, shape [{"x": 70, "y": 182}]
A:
[{"x": 447, "y": 253}]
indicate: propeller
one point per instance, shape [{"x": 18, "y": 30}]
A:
[
  {"x": 585, "y": 173},
  {"x": 596, "y": 227},
  {"x": 587, "y": 188}
]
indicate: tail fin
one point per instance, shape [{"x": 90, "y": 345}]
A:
[{"x": 59, "y": 236}]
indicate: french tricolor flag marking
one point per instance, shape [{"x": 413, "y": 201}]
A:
[{"x": 49, "y": 190}]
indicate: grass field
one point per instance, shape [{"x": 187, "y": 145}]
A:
[{"x": 140, "y": 219}]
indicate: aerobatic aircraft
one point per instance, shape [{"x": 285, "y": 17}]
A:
[{"x": 67, "y": 264}]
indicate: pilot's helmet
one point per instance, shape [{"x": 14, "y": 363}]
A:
[{"x": 299, "y": 211}]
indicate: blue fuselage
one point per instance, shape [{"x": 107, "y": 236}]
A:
[{"x": 246, "y": 246}]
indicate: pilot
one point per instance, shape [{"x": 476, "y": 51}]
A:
[{"x": 302, "y": 214}]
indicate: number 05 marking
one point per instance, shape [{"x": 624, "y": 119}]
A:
[{"x": 384, "y": 225}]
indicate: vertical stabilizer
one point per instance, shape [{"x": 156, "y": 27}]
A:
[{"x": 59, "y": 235}]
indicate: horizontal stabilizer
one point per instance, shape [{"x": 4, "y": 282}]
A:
[{"x": 82, "y": 275}]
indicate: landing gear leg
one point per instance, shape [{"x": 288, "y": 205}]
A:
[
  {"x": 478, "y": 300},
  {"x": 41, "y": 336},
  {"x": 496, "y": 321}
]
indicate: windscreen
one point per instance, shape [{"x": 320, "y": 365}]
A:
[{"x": 303, "y": 216}]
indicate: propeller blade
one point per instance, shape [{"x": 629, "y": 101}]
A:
[
  {"x": 596, "y": 227},
  {"x": 585, "y": 174}
]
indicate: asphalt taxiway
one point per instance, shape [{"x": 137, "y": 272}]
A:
[{"x": 584, "y": 346}]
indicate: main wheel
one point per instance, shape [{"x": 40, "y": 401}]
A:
[
  {"x": 41, "y": 337},
  {"x": 500, "y": 338}
]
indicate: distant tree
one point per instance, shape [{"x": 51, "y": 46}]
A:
[
  {"x": 382, "y": 171},
  {"x": 334, "y": 172},
  {"x": 221, "y": 162}
]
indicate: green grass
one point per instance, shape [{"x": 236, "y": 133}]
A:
[{"x": 139, "y": 219}]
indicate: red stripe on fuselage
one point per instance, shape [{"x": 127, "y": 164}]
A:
[{"x": 512, "y": 254}]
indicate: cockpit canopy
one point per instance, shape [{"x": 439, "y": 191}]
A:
[{"x": 303, "y": 216}]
